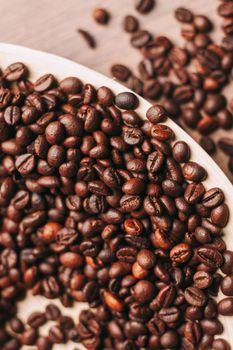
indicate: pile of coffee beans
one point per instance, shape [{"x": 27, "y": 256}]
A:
[
  {"x": 101, "y": 206},
  {"x": 187, "y": 80}
]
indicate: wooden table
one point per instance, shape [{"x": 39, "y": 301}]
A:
[{"x": 51, "y": 25}]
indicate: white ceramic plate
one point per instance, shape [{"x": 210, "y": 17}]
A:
[{"x": 41, "y": 63}]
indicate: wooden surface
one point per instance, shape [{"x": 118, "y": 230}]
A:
[{"x": 51, "y": 25}]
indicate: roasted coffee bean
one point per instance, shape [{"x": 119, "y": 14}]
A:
[
  {"x": 126, "y": 100},
  {"x": 144, "y": 6},
  {"x": 227, "y": 285},
  {"x": 180, "y": 253},
  {"x": 220, "y": 215},
  {"x": 52, "y": 312},
  {"x": 225, "y": 9},
  {"x": 195, "y": 296},
  {"x": 193, "y": 172},
  {"x": 226, "y": 145},
  {"x": 130, "y": 24},
  {"x": 211, "y": 327},
  {"x": 36, "y": 319},
  {"x": 225, "y": 307},
  {"x": 220, "y": 344},
  {"x": 15, "y": 71},
  {"x": 101, "y": 16},
  {"x": 89, "y": 39},
  {"x": 209, "y": 256},
  {"x": 227, "y": 266},
  {"x": 143, "y": 291},
  {"x": 120, "y": 72},
  {"x": 183, "y": 15}
]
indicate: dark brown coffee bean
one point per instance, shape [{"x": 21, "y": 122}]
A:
[
  {"x": 140, "y": 38},
  {"x": 126, "y": 100},
  {"x": 195, "y": 296},
  {"x": 44, "y": 83},
  {"x": 143, "y": 291},
  {"x": 208, "y": 144},
  {"x": 15, "y": 71},
  {"x": 220, "y": 215},
  {"x": 211, "y": 327},
  {"x": 16, "y": 325},
  {"x": 130, "y": 24},
  {"x": 180, "y": 253},
  {"x": 29, "y": 336},
  {"x": 43, "y": 343},
  {"x": 162, "y": 132},
  {"x": 226, "y": 145},
  {"x": 36, "y": 319},
  {"x": 227, "y": 266},
  {"x": 194, "y": 172},
  {"x": 156, "y": 114},
  {"x": 225, "y": 307},
  {"x": 194, "y": 192},
  {"x": 144, "y": 6},
  {"x": 220, "y": 344},
  {"x": 133, "y": 186},
  {"x": 183, "y": 15},
  {"x": 146, "y": 259},
  {"x": 52, "y": 312},
  {"x": 202, "y": 279},
  {"x": 56, "y": 335},
  {"x": 227, "y": 285},
  {"x": 225, "y": 9},
  {"x": 12, "y": 115},
  {"x": 169, "y": 314},
  {"x": 25, "y": 163},
  {"x": 89, "y": 39},
  {"x": 101, "y": 16},
  {"x": 120, "y": 72},
  {"x": 209, "y": 256}
]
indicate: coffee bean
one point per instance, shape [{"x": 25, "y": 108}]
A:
[
  {"x": 209, "y": 256},
  {"x": 227, "y": 285},
  {"x": 226, "y": 145},
  {"x": 140, "y": 39},
  {"x": 162, "y": 132},
  {"x": 146, "y": 259},
  {"x": 130, "y": 24},
  {"x": 36, "y": 319},
  {"x": 143, "y": 291},
  {"x": 52, "y": 312},
  {"x": 193, "y": 172},
  {"x": 202, "y": 279},
  {"x": 211, "y": 327},
  {"x": 213, "y": 198},
  {"x": 126, "y": 100},
  {"x": 180, "y": 253},
  {"x": 183, "y": 15},
  {"x": 220, "y": 215},
  {"x": 194, "y": 192},
  {"x": 120, "y": 72},
  {"x": 29, "y": 336},
  {"x": 25, "y": 163},
  {"x": 225, "y": 9},
  {"x": 220, "y": 344},
  {"x": 227, "y": 266},
  {"x": 89, "y": 39},
  {"x": 195, "y": 296},
  {"x": 225, "y": 307},
  {"x": 156, "y": 114},
  {"x": 43, "y": 343},
  {"x": 15, "y": 71},
  {"x": 56, "y": 335},
  {"x": 101, "y": 16},
  {"x": 144, "y": 6},
  {"x": 208, "y": 144}
]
